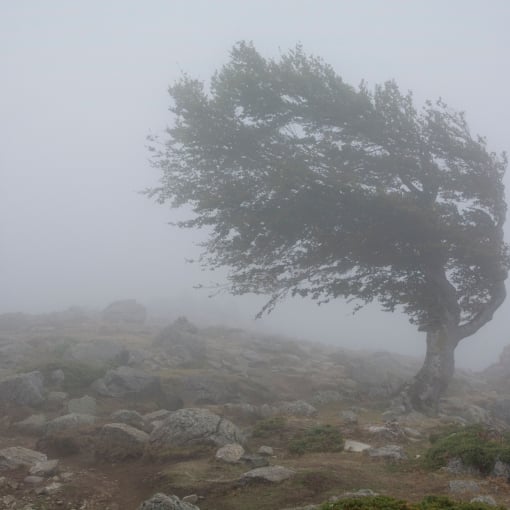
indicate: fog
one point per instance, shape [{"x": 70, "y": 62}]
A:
[{"x": 83, "y": 83}]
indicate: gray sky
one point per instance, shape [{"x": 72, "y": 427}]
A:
[{"x": 84, "y": 82}]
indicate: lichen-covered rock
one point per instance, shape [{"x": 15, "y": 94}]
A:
[
  {"x": 195, "y": 426},
  {"x": 69, "y": 421},
  {"x": 23, "y": 389},
  {"x": 83, "y": 405},
  {"x": 118, "y": 441},
  {"x": 34, "y": 424},
  {"x": 273, "y": 474},
  {"x": 297, "y": 408},
  {"x": 230, "y": 453},
  {"x": 163, "y": 502},
  {"x": 131, "y": 418},
  {"x": 17, "y": 456}
]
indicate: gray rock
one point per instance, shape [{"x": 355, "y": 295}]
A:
[
  {"x": 127, "y": 310},
  {"x": 118, "y": 441},
  {"x": 230, "y": 453},
  {"x": 486, "y": 500},
  {"x": 255, "y": 461},
  {"x": 45, "y": 468},
  {"x": 272, "y": 474},
  {"x": 327, "y": 397},
  {"x": 57, "y": 377},
  {"x": 33, "y": 480},
  {"x": 158, "y": 415},
  {"x": 457, "y": 467},
  {"x": 462, "y": 486},
  {"x": 501, "y": 469},
  {"x": 355, "y": 446},
  {"x": 57, "y": 397},
  {"x": 297, "y": 408},
  {"x": 349, "y": 417},
  {"x": 131, "y": 418},
  {"x": 93, "y": 350},
  {"x": 83, "y": 405},
  {"x": 191, "y": 498},
  {"x": 69, "y": 421},
  {"x": 390, "y": 451},
  {"x": 127, "y": 382},
  {"x": 34, "y": 424},
  {"x": 267, "y": 451},
  {"x": 23, "y": 389},
  {"x": 52, "y": 488},
  {"x": 195, "y": 426},
  {"x": 360, "y": 493},
  {"x": 163, "y": 502},
  {"x": 17, "y": 456}
]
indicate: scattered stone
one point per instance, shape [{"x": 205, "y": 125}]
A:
[
  {"x": 163, "y": 502},
  {"x": 273, "y": 474},
  {"x": 486, "y": 500},
  {"x": 33, "y": 480},
  {"x": 17, "y": 456},
  {"x": 390, "y": 451},
  {"x": 45, "y": 468},
  {"x": 23, "y": 389},
  {"x": 355, "y": 446},
  {"x": 297, "y": 408},
  {"x": 349, "y": 417},
  {"x": 69, "y": 421},
  {"x": 230, "y": 453},
  {"x": 83, "y": 405},
  {"x": 195, "y": 426},
  {"x": 127, "y": 382},
  {"x": 118, "y": 441},
  {"x": 266, "y": 451},
  {"x": 52, "y": 488},
  {"x": 192, "y": 498},
  {"x": 462, "y": 486}
]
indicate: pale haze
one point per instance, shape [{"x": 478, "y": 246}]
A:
[{"x": 83, "y": 83}]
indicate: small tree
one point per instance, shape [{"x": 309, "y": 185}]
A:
[{"x": 311, "y": 187}]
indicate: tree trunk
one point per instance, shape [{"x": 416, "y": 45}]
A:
[{"x": 424, "y": 392}]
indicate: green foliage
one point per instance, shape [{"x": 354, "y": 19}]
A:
[
  {"x": 309, "y": 186},
  {"x": 388, "y": 503},
  {"x": 321, "y": 438},
  {"x": 476, "y": 446},
  {"x": 269, "y": 426}
]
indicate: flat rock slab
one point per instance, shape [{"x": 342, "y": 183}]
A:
[
  {"x": 390, "y": 451},
  {"x": 273, "y": 474},
  {"x": 355, "y": 446},
  {"x": 17, "y": 456}
]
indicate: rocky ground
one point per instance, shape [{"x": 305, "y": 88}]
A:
[{"x": 112, "y": 411}]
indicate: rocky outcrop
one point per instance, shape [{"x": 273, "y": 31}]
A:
[
  {"x": 195, "y": 426},
  {"x": 127, "y": 310},
  {"x": 17, "y": 456},
  {"x": 22, "y": 389}
]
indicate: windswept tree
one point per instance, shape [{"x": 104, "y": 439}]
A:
[{"x": 308, "y": 186}]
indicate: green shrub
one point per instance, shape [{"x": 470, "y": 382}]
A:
[
  {"x": 321, "y": 438},
  {"x": 269, "y": 426},
  {"x": 475, "y": 445},
  {"x": 387, "y": 503}
]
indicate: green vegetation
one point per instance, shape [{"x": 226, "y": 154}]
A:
[
  {"x": 269, "y": 426},
  {"x": 475, "y": 445},
  {"x": 321, "y": 438},
  {"x": 387, "y": 503}
]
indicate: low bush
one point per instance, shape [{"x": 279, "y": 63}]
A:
[
  {"x": 475, "y": 445},
  {"x": 387, "y": 503},
  {"x": 269, "y": 426},
  {"x": 321, "y": 438}
]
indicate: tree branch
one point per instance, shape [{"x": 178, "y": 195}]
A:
[{"x": 497, "y": 297}]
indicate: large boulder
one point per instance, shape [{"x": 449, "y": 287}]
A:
[
  {"x": 127, "y": 382},
  {"x": 127, "y": 310},
  {"x": 93, "y": 351},
  {"x": 163, "y": 502},
  {"x": 17, "y": 456},
  {"x": 191, "y": 426},
  {"x": 22, "y": 389},
  {"x": 118, "y": 441},
  {"x": 68, "y": 422}
]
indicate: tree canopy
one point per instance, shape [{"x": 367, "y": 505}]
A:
[{"x": 309, "y": 186}]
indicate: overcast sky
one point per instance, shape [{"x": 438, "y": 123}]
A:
[{"x": 84, "y": 82}]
